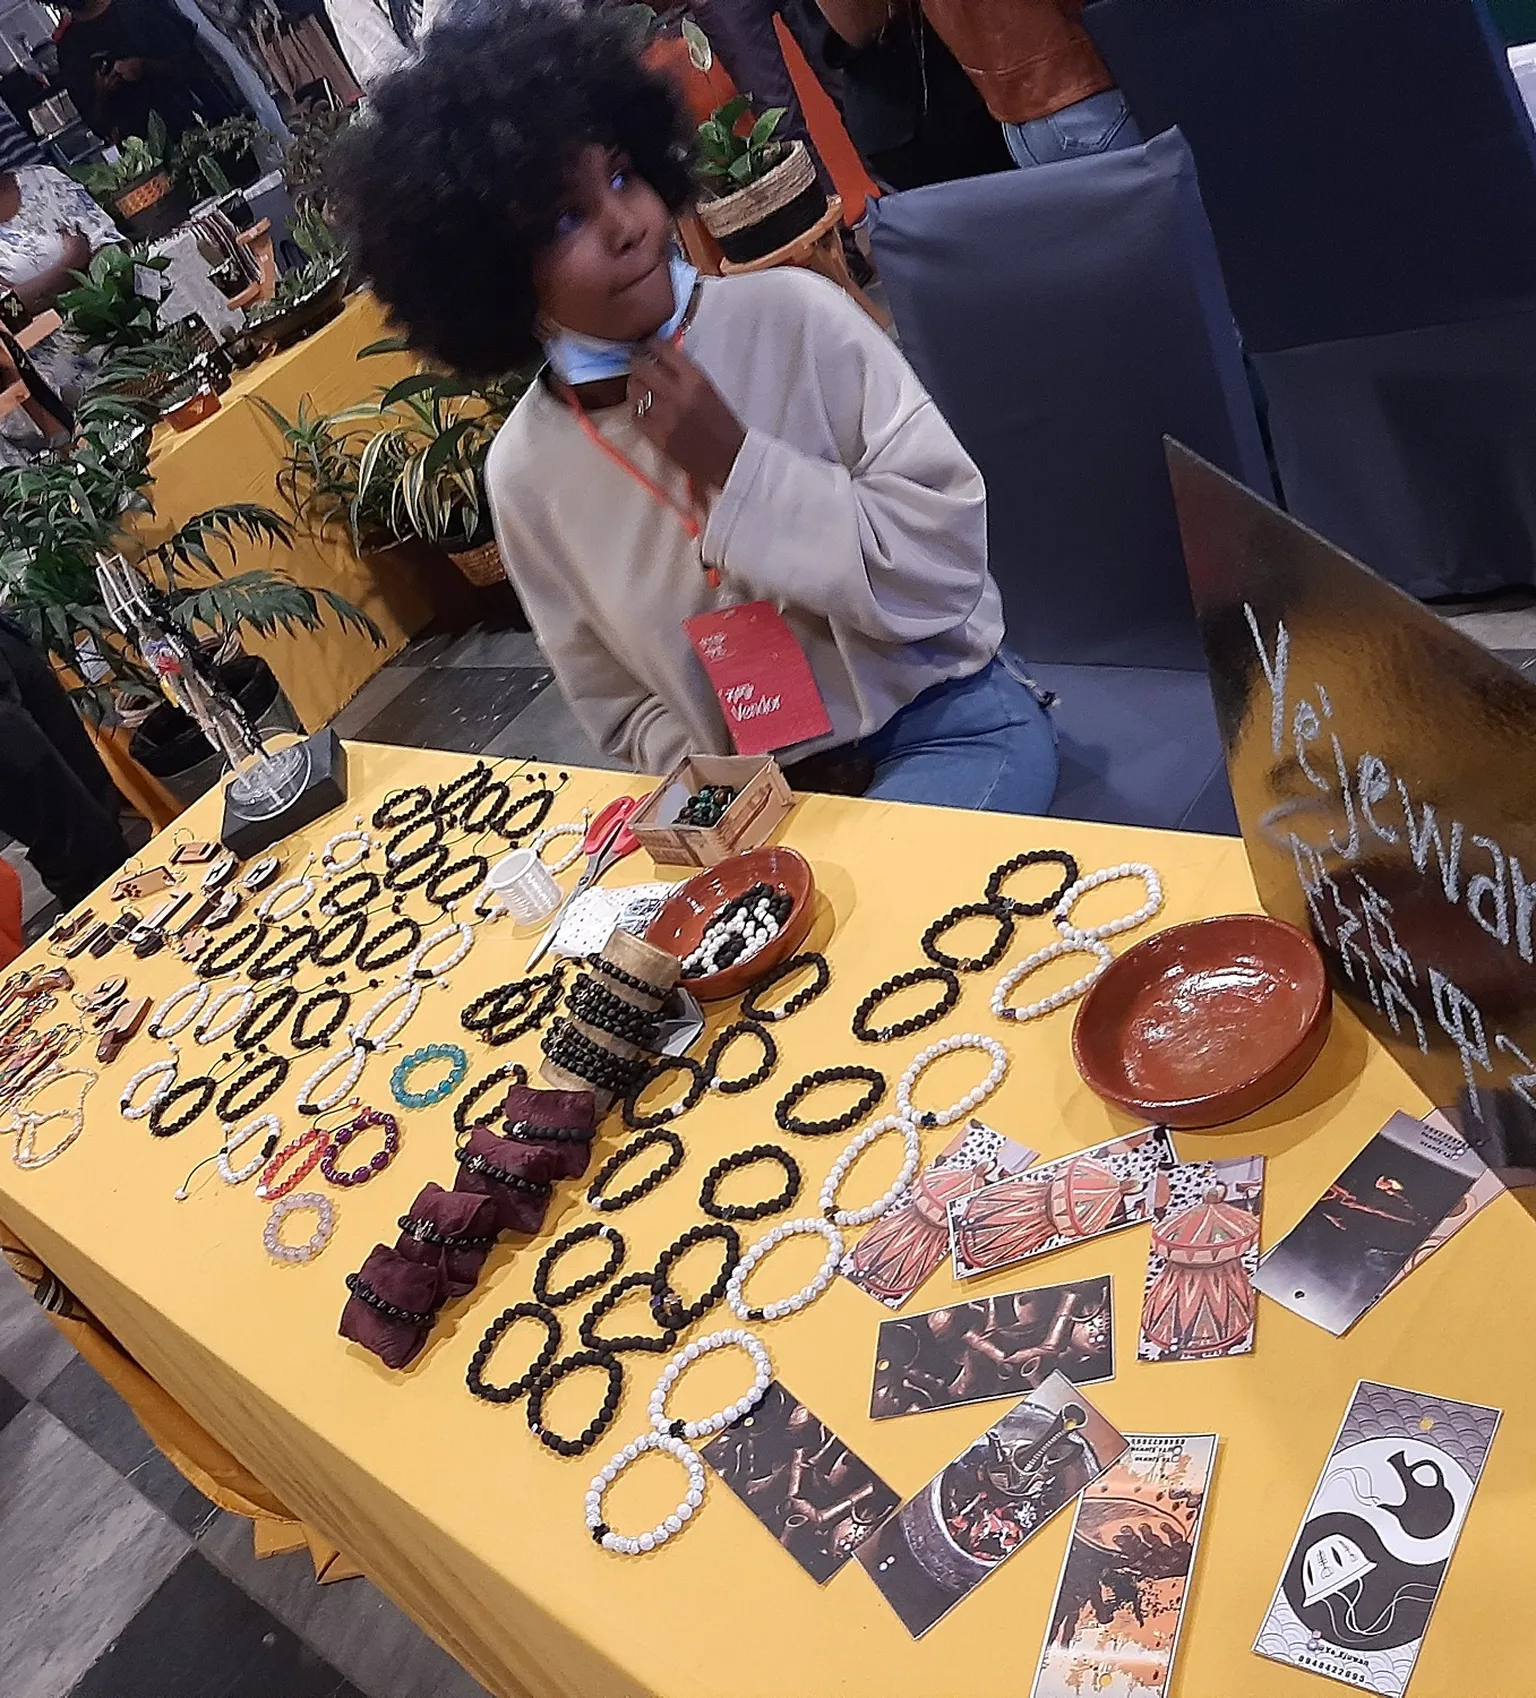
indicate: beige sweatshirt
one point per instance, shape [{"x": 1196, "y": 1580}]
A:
[{"x": 851, "y": 507}]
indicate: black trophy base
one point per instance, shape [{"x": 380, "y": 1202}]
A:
[{"x": 256, "y": 817}]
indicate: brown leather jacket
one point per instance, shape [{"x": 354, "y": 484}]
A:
[{"x": 1028, "y": 58}]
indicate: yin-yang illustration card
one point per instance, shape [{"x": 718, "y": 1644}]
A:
[{"x": 1365, "y": 1572}]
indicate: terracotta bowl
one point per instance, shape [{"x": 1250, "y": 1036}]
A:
[
  {"x": 1205, "y": 1022},
  {"x": 687, "y": 912}
]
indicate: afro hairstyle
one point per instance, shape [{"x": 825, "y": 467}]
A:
[{"x": 452, "y": 185}]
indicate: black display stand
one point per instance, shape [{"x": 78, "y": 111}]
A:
[{"x": 317, "y": 784}]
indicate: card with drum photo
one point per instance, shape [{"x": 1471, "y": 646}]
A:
[
  {"x": 994, "y": 1347},
  {"x": 974, "y": 1514},
  {"x": 1366, "y": 1569},
  {"x": 910, "y": 1239},
  {"x": 1198, "y": 1302},
  {"x": 1114, "y": 1629},
  {"x": 801, "y": 1481}
]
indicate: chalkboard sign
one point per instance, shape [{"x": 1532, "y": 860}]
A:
[{"x": 1384, "y": 771}]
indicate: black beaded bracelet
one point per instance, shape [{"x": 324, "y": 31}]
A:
[
  {"x": 542, "y": 1000},
  {"x": 468, "y": 1100},
  {"x": 234, "y": 951},
  {"x": 285, "y": 955},
  {"x": 265, "y": 1017},
  {"x": 438, "y": 892},
  {"x": 587, "y": 1282},
  {"x": 475, "y": 1378},
  {"x": 994, "y": 951},
  {"x": 651, "y": 1343},
  {"x": 586, "y": 1061},
  {"x": 530, "y": 1132},
  {"x": 751, "y": 1003},
  {"x": 474, "y": 1162},
  {"x": 417, "y": 869},
  {"x": 396, "y": 854},
  {"x": 364, "y": 1293},
  {"x": 272, "y": 1070},
  {"x": 629, "y": 980},
  {"x": 867, "y": 1034},
  {"x": 368, "y": 886},
  {"x": 667, "y": 1306},
  {"x": 374, "y": 956},
  {"x": 340, "y": 1002},
  {"x": 621, "y": 1158},
  {"x": 402, "y": 807},
  {"x": 1032, "y": 858},
  {"x": 750, "y": 1158},
  {"x": 511, "y": 827},
  {"x": 717, "y": 1053},
  {"x": 784, "y": 1113},
  {"x": 340, "y": 939},
  {"x": 426, "y": 1232},
  {"x": 161, "y": 1126},
  {"x": 609, "y": 1012},
  {"x": 461, "y": 791},
  {"x": 473, "y": 820},
  {"x": 546, "y": 1381},
  {"x": 698, "y": 1084}
]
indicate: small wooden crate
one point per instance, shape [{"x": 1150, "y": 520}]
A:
[{"x": 763, "y": 799}]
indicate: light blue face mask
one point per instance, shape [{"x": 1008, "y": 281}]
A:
[{"x": 588, "y": 359}]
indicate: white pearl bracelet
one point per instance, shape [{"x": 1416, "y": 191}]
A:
[
  {"x": 1062, "y": 913},
  {"x": 167, "y": 1067},
  {"x": 413, "y": 965},
  {"x": 328, "y": 862},
  {"x": 308, "y": 1103},
  {"x": 361, "y": 1034},
  {"x": 1076, "y": 943},
  {"x": 325, "y": 1225},
  {"x": 862, "y": 1217},
  {"x": 268, "y": 908},
  {"x": 236, "y": 1137},
  {"x": 622, "y": 1543},
  {"x": 197, "y": 991},
  {"x": 808, "y": 1293},
  {"x": 690, "y": 1353},
  {"x": 550, "y": 833},
  {"x": 971, "y": 1099},
  {"x": 209, "y": 1029}
]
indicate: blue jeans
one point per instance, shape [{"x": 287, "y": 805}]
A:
[
  {"x": 979, "y": 742},
  {"x": 1099, "y": 124}
]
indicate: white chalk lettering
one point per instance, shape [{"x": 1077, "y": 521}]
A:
[
  {"x": 1452, "y": 1008},
  {"x": 1525, "y": 897},
  {"x": 1274, "y": 671},
  {"x": 1422, "y": 833},
  {"x": 1374, "y": 783},
  {"x": 1522, "y": 1084},
  {"x": 1481, "y": 887}
]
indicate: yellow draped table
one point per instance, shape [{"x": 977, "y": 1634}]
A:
[
  {"x": 452, "y": 1507},
  {"x": 235, "y": 455}
]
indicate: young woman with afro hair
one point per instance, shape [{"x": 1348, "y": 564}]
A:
[{"x": 691, "y": 444}]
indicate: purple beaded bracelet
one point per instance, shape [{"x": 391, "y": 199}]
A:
[{"x": 343, "y": 1135}]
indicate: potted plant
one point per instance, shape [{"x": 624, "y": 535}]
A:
[
  {"x": 213, "y": 159},
  {"x": 137, "y": 187},
  {"x": 307, "y": 297},
  {"x": 105, "y": 309},
  {"x": 762, "y": 193}
]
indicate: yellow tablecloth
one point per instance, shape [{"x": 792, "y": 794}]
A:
[
  {"x": 235, "y": 456},
  {"x": 450, "y": 1505}
]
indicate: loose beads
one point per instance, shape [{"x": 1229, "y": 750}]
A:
[
  {"x": 325, "y": 1225},
  {"x": 160, "y": 1023},
  {"x": 376, "y": 1163},
  {"x": 621, "y": 1159},
  {"x": 789, "y": 1121},
  {"x": 1062, "y": 913},
  {"x": 400, "y": 1079},
  {"x": 475, "y": 1378},
  {"x": 808, "y": 1293},
  {"x": 311, "y": 1145},
  {"x": 749, "y": 1158},
  {"x": 867, "y": 1034},
  {"x": 762, "y": 1378},
  {"x": 621, "y": 1543},
  {"x": 165, "y": 1069},
  {"x": 972, "y": 1099},
  {"x": 1079, "y": 943},
  {"x": 587, "y": 1282},
  {"x": 909, "y": 1164}
]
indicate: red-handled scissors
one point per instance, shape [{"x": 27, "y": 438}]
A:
[{"x": 608, "y": 840}]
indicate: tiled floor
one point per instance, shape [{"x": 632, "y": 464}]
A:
[{"x": 119, "y": 1580}]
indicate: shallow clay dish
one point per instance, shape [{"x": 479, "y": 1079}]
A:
[
  {"x": 684, "y": 916},
  {"x": 1205, "y": 1022}
]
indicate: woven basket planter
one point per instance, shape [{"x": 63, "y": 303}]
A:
[
  {"x": 769, "y": 213},
  {"x": 151, "y": 207},
  {"x": 482, "y": 566}
]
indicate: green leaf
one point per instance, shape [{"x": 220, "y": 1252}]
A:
[
  {"x": 730, "y": 114},
  {"x": 762, "y": 130},
  {"x": 446, "y": 446},
  {"x": 385, "y": 345},
  {"x": 700, "y": 53},
  {"x": 743, "y": 170},
  {"x": 418, "y": 383}
]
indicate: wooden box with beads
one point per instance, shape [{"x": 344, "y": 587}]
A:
[{"x": 762, "y": 799}]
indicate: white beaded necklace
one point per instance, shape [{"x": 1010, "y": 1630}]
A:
[
  {"x": 210, "y": 1028},
  {"x": 972, "y": 1099},
  {"x": 1077, "y": 943},
  {"x": 861, "y": 1217},
  {"x": 198, "y": 990},
  {"x": 623, "y": 1544},
  {"x": 413, "y": 965},
  {"x": 169, "y": 1066},
  {"x": 808, "y": 1293},
  {"x": 732, "y": 1412},
  {"x": 1062, "y": 913},
  {"x": 26, "y": 1122}
]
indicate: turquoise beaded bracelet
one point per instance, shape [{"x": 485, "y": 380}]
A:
[{"x": 399, "y": 1081}]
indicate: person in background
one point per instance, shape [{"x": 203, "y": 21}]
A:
[
  {"x": 55, "y": 795},
  {"x": 912, "y": 113},
  {"x": 121, "y": 60},
  {"x": 695, "y": 445}
]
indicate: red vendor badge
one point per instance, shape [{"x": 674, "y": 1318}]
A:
[{"x": 761, "y": 677}]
